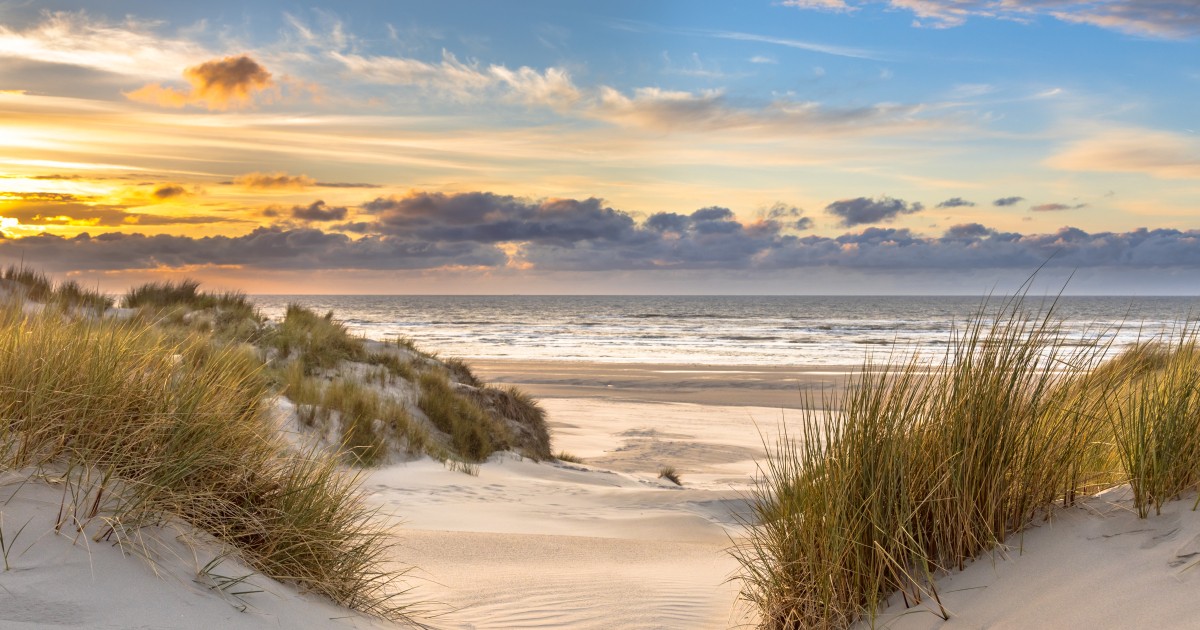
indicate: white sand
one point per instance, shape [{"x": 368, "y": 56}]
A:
[
  {"x": 1094, "y": 566},
  {"x": 605, "y": 544}
]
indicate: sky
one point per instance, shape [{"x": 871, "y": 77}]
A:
[{"x": 695, "y": 147}]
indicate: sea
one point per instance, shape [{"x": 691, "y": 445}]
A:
[{"x": 716, "y": 330}]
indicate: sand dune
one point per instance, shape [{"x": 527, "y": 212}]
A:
[
  {"x": 67, "y": 579},
  {"x": 1094, "y": 566}
]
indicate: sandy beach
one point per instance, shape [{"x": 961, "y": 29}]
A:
[{"x": 605, "y": 543}]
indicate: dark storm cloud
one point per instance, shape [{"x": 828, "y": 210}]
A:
[
  {"x": 485, "y": 230},
  {"x": 318, "y": 211},
  {"x": 863, "y": 210},
  {"x": 489, "y": 218},
  {"x": 1007, "y": 201},
  {"x": 263, "y": 248},
  {"x": 956, "y": 202}
]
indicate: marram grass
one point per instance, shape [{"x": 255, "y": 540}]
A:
[
  {"x": 176, "y": 430},
  {"x": 920, "y": 466}
]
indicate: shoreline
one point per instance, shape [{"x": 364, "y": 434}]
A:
[{"x": 785, "y": 387}]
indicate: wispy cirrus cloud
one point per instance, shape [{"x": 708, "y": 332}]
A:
[
  {"x": 787, "y": 42},
  {"x": 1173, "y": 19},
  {"x": 130, "y": 48},
  {"x": 1159, "y": 154},
  {"x": 652, "y": 108},
  {"x": 551, "y": 87}
]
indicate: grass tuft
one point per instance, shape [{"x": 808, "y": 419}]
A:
[
  {"x": 470, "y": 428},
  {"x": 564, "y": 456},
  {"x": 320, "y": 342},
  {"x": 670, "y": 474}
]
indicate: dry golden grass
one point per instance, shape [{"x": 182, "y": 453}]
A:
[
  {"x": 176, "y": 430},
  {"x": 920, "y": 467}
]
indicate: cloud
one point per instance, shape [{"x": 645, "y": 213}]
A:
[
  {"x": 489, "y": 218},
  {"x": 651, "y": 108},
  {"x": 128, "y": 48},
  {"x": 968, "y": 231},
  {"x": 347, "y": 185},
  {"x": 1158, "y": 154},
  {"x": 701, "y": 240},
  {"x": 270, "y": 248},
  {"x": 266, "y": 181},
  {"x": 662, "y": 110},
  {"x": 318, "y": 211},
  {"x": 863, "y": 210},
  {"x": 485, "y": 231},
  {"x": 38, "y": 209},
  {"x": 1007, "y": 201},
  {"x": 219, "y": 84},
  {"x": 168, "y": 191},
  {"x": 1176, "y": 19},
  {"x": 787, "y": 216},
  {"x": 551, "y": 87},
  {"x": 838, "y": 6},
  {"x": 956, "y": 202},
  {"x": 1056, "y": 207},
  {"x": 43, "y": 196},
  {"x": 838, "y": 51}
]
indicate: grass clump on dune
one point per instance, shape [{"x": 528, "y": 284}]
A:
[
  {"x": 35, "y": 286},
  {"x": 229, "y": 316},
  {"x": 525, "y": 426},
  {"x": 320, "y": 342},
  {"x": 670, "y": 474},
  {"x": 176, "y": 430},
  {"x": 471, "y": 430},
  {"x": 186, "y": 293},
  {"x": 1156, "y": 423},
  {"x": 920, "y": 467}
]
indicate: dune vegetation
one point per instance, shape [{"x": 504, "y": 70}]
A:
[
  {"x": 920, "y": 466},
  {"x": 144, "y": 429},
  {"x": 166, "y": 410}
]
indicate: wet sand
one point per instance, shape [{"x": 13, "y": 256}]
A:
[{"x": 726, "y": 385}]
